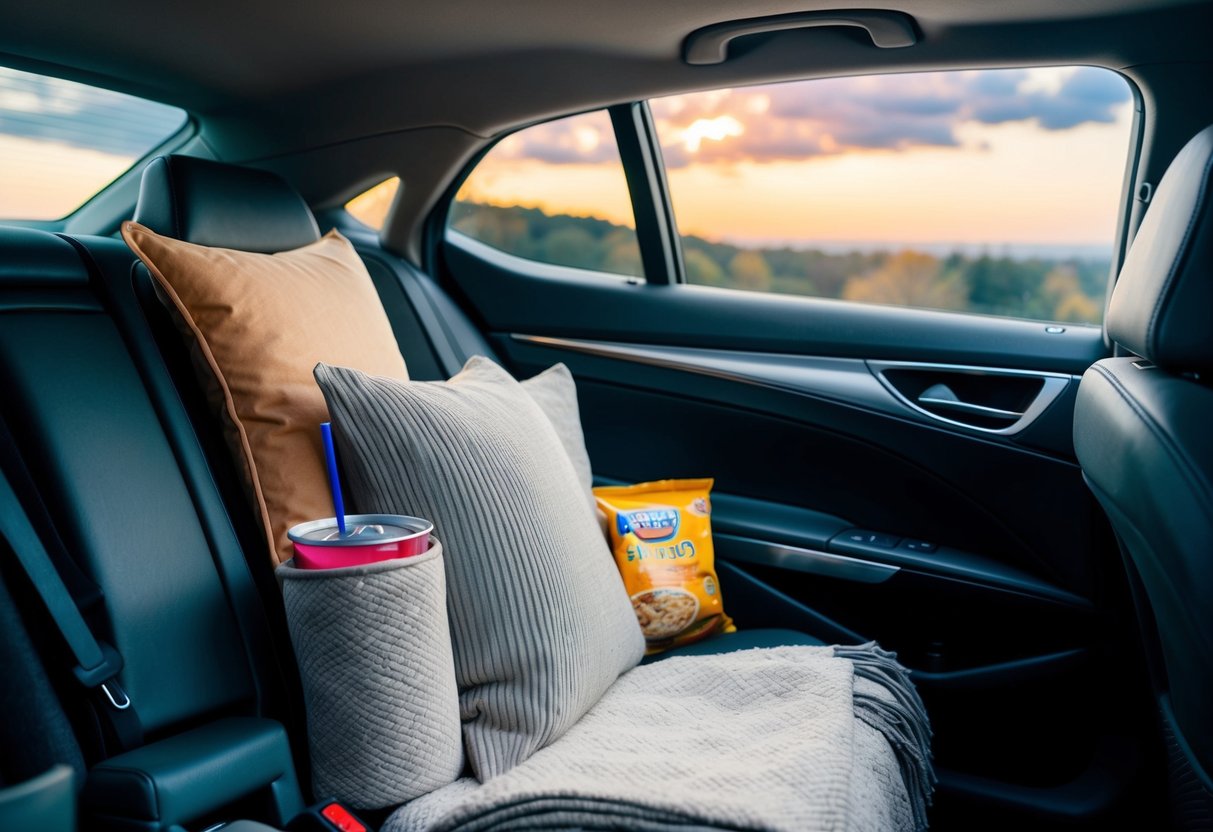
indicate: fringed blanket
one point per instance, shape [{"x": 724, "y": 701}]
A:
[{"x": 788, "y": 738}]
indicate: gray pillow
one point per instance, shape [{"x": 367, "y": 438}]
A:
[
  {"x": 540, "y": 622},
  {"x": 556, "y": 394}
]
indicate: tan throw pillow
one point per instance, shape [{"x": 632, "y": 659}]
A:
[{"x": 261, "y": 323}]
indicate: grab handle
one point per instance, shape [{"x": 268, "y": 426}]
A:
[{"x": 709, "y": 45}]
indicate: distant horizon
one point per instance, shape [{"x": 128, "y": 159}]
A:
[
  {"x": 1023, "y": 250},
  {"x": 1088, "y": 251}
]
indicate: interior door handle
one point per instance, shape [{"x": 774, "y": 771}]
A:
[
  {"x": 1010, "y": 400},
  {"x": 941, "y": 397}
]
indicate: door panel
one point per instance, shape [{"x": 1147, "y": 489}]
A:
[{"x": 903, "y": 476}]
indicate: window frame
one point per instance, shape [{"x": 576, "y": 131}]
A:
[
  {"x": 657, "y": 233},
  {"x": 652, "y": 242}
]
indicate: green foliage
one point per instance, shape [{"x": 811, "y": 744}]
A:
[
  {"x": 563, "y": 240},
  {"x": 1070, "y": 290}
]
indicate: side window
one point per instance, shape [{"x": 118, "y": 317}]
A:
[
  {"x": 62, "y": 142},
  {"x": 554, "y": 193},
  {"x": 991, "y": 191},
  {"x": 371, "y": 206}
]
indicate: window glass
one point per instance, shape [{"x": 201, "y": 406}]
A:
[
  {"x": 991, "y": 191},
  {"x": 62, "y": 142},
  {"x": 555, "y": 193},
  {"x": 371, "y": 206}
]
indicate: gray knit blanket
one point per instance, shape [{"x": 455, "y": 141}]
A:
[{"x": 786, "y": 738}]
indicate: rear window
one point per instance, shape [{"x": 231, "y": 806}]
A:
[{"x": 62, "y": 142}]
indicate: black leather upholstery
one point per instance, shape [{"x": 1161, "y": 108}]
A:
[
  {"x": 35, "y": 258},
  {"x": 1141, "y": 433},
  {"x": 184, "y": 777},
  {"x": 215, "y": 204},
  {"x": 1163, "y": 302},
  {"x": 116, "y": 462},
  {"x": 1144, "y": 442},
  {"x": 96, "y": 446}
]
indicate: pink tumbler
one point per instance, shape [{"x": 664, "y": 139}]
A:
[{"x": 368, "y": 538}]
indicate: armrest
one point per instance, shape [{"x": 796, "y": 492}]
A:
[{"x": 182, "y": 778}]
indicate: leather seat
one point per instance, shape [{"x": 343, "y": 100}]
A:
[{"x": 1142, "y": 432}]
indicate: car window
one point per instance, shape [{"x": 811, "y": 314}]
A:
[
  {"x": 371, "y": 206},
  {"x": 992, "y": 191},
  {"x": 554, "y": 193},
  {"x": 62, "y": 142}
]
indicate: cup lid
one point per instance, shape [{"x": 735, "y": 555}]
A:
[{"x": 360, "y": 530}]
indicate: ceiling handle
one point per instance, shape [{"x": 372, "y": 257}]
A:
[{"x": 710, "y": 45}]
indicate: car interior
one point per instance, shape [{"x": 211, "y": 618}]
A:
[{"x": 1018, "y": 505}]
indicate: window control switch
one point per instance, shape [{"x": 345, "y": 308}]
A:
[{"x": 867, "y": 537}]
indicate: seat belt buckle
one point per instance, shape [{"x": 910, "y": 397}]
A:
[
  {"x": 328, "y": 816},
  {"x": 104, "y": 673}
]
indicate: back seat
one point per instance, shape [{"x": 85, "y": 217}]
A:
[
  {"x": 97, "y": 422},
  {"x": 101, "y": 399},
  {"x": 130, "y": 468}
]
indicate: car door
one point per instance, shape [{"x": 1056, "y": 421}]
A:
[{"x": 887, "y": 418}]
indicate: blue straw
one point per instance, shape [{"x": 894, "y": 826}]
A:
[{"x": 330, "y": 457}]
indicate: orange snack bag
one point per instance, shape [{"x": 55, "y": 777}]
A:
[{"x": 661, "y": 535}]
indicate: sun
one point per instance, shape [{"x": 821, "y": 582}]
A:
[{"x": 717, "y": 129}]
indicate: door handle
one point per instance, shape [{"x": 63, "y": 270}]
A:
[
  {"x": 1010, "y": 399},
  {"x": 941, "y": 397}
]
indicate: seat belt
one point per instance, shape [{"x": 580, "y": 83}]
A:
[{"x": 97, "y": 663}]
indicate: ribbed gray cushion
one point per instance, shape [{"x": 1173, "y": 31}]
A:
[
  {"x": 556, "y": 394},
  {"x": 540, "y": 621},
  {"x": 374, "y": 655}
]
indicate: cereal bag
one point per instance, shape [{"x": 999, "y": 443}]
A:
[{"x": 661, "y": 534}]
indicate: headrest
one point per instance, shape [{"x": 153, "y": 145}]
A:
[
  {"x": 1162, "y": 306},
  {"x": 215, "y": 204}
]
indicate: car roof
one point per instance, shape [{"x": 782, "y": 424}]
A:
[{"x": 338, "y": 96}]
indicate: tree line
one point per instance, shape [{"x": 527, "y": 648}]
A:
[{"x": 1041, "y": 288}]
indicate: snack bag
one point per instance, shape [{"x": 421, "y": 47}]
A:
[{"x": 661, "y": 534}]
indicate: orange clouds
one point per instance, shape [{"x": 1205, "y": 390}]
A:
[{"x": 978, "y": 158}]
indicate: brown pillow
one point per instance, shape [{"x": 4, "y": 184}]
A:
[{"x": 261, "y": 322}]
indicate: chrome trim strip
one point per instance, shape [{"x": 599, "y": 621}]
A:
[
  {"x": 845, "y": 380},
  {"x": 967, "y": 407},
  {"x": 851, "y": 381},
  {"x": 812, "y": 561}
]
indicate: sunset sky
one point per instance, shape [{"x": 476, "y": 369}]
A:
[
  {"x": 61, "y": 142},
  {"x": 983, "y": 157}
]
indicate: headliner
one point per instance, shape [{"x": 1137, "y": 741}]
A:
[{"x": 288, "y": 85}]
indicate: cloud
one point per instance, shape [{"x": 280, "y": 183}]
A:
[
  {"x": 37, "y": 107},
  {"x": 1088, "y": 95},
  {"x": 832, "y": 116},
  {"x": 584, "y": 139}
]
